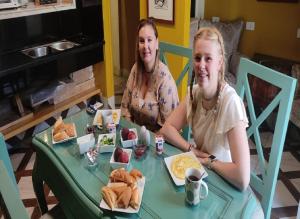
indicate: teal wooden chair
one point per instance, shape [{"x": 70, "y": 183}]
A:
[
  {"x": 280, "y": 105},
  {"x": 168, "y": 48},
  {"x": 10, "y": 201}
]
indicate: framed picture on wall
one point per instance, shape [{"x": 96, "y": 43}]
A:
[
  {"x": 287, "y": 1},
  {"x": 161, "y": 10}
]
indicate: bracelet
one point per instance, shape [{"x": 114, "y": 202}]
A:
[{"x": 191, "y": 146}]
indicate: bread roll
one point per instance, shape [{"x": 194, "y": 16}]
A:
[
  {"x": 109, "y": 197},
  {"x": 58, "y": 126},
  {"x": 134, "y": 200},
  {"x": 136, "y": 174},
  {"x": 70, "y": 130},
  {"x": 121, "y": 175},
  {"x": 60, "y": 136},
  {"x": 119, "y": 190},
  {"x": 124, "y": 198}
]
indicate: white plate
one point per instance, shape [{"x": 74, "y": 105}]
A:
[
  {"x": 107, "y": 116},
  {"x": 140, "y": 186},
  {"x": 181, "y": 182},
  {"x": 67, "y": 139},
  {"x": 105, "y": 147}
]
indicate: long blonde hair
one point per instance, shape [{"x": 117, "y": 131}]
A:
[
  {"x": 212, "y": 34},
  {"x": 139, "y": 62}
]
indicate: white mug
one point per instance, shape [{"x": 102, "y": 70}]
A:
[{"x": 194, "y": 186}]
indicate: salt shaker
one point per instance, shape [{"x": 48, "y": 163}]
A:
[{"x": 145, "y": 135}]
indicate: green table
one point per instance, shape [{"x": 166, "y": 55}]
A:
[{"x": 78, "y": 187}]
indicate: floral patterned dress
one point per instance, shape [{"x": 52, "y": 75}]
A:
[{"x": 160, "y": 99}]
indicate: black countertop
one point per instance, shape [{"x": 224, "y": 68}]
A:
[{"x": 15, "y": 61}]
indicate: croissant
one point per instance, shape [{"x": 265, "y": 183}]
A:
[
  {"x": 109, "y": 197},
  {"x": 69, "y": 128},
  {"x": 58, "y": 126},
  {"x": 134, "y": 200},
  {"x": 121, "y": 175},
  {"x": 136, "y": 174},
  {"x": 60, "y": 136},
  {"x": 124, "y": 198}
]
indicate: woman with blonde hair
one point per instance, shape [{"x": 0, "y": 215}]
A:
[
  {"x": 151, "y": 93},
  {"x": 215, "y": 113}
]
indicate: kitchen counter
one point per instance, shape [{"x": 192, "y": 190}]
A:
[{"x": 16, "y": 61}]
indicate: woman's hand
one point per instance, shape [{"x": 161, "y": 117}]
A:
[{"x": 199, "y": 154}]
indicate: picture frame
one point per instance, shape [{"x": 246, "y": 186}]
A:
[
  {"x": 161, "y": 10},
  {"x": 282, "y": 1}
]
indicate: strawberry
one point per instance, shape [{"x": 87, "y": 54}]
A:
[{"x": 131, "y": 135}]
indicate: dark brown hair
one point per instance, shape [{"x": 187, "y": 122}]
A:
[{"x": 210, "y": 33}]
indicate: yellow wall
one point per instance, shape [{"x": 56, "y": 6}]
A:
[
  {"x": 104, "y": 70},
  {"x": 275, "y": 25},
  {"x": 176, "y": 34}
]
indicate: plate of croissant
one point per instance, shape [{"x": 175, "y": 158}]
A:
[
  {"x": 124, "y": 191},
  {"x": 62, "y": 132}
]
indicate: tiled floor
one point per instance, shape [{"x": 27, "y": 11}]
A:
[{"x": 285, "y": 203}]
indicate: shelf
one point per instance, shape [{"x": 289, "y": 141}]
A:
[
  {"x": 45, "y": 113},
  {"x": 32, "y": 9}
]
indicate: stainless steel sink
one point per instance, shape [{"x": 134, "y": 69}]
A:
[
  {"x": 37, "y": 52},
  {"x": 62, "y": 45},
  {"x": 51, "y": 48}
]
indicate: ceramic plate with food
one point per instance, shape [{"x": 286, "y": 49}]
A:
[
  {"x": 65, "y": 134},
  {"x": 178, "y": 164},
  {"x": 103, "y": 117},
  {"x": 121, "y": 192}
]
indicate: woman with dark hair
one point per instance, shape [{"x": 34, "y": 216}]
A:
[
  {"x": 151, "y": 93},
  {"x": 215, "y": 113}
]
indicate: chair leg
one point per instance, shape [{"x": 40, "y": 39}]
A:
[{"x": 38, "y": 187}]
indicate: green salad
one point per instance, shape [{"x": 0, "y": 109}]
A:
[{"x": 107, "y": 140}]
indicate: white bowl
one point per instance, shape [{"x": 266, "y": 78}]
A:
[
  {"x": 129, "y": 143},
  {"x": 104, "y": 148},
  {"x": 85, "y": 142},
  {"x": 116, "y": 165}
]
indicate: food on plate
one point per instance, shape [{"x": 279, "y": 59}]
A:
[
  {"x": 106, "y": 140},
  {"x": 124, "y": 133},
  {"x": 182, "y": 162},
  {"x": 127, "y": 134},
  {"x": 136, "y": 174},
  {"x": 58, "y": 125},
  {"x": 122, "y": 192},
  {"x": 60, "y": 136},
  {"x": 124, "y": 198},
  {"x": 109, "y": 196},
  {"x": 115, "y": 117},
  {"x": 134, "y": 200},
  {"x": 121, "y": 156},
  {"x": 131, "y": 135},
  {"x": 99, "y": 120},
  {"x": 121, "y": 175},
  {"x": 69, "y": 128},
  {"x": 63, "y": 131}
]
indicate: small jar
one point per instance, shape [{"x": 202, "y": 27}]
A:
[{"x": 159, "y": 144}]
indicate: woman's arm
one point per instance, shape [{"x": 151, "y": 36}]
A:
[
  {"x": 174, "y": 123},
  {"x": 167, "y": 96},
  {"x": 238, "y": 171},
  {"x": 127, "y": 95}
]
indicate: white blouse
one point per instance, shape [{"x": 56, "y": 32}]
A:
[{"x": 210, "y": 127}]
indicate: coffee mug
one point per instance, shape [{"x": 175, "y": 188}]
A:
[{"x": 195, "y": 188}]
